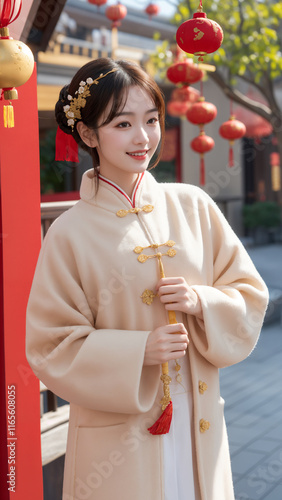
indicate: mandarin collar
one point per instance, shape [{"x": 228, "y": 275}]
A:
[{"x": 111, "y": 197}]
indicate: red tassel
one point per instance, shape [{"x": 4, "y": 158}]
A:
[
  {"x": 66, "y": 147},
  {"x": 202, "y": 171},
  {"x": 162, "y": 425},
  {"x": 231, "y": 156}
]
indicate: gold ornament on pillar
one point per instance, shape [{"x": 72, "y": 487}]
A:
[
  {"x": 275, "y": 171},
  {"x": 16, "y": 59}
]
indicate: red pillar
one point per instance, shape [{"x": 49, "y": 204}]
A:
[{"x": 20, "y": 454}]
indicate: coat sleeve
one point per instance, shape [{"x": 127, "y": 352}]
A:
[
  {"x": 99, "y": 369},
  {"x": 235, "y": 298}
]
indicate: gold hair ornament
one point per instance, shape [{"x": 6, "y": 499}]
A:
[{"x": 72, "y": 110}]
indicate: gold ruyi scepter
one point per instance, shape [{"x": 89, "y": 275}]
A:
[{"x": 162, "y": 425}]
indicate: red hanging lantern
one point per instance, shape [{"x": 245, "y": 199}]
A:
[
  {"x": 177, "y": 108},
  {"x": 231, "y": 130},
  {"x": 97, "y": 2},
  {"x": 152, "y": 10},
  {"x": 115, "y": 13},
  {"x": 202, "y": 144},
  {"x": 181, "y": 100},
  {"x": 185, "y": 94},
  {"x": 184, "y": 72},
  {"x": 16, "y": 59},
  {"x": 178, "y": 54},
  {"x": 201, "y": 112},
  {"x": 200, "y": 35}
]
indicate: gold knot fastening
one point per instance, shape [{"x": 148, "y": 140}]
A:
[
  {"x": 169, "y": 243},
  {"x": 142, "y": 258},
  {"x": 202, "y": 387},
  {"x": 148, "y": 296},
  {"x": 204, "y": 425},
  {"x": 146, "y": 209}
]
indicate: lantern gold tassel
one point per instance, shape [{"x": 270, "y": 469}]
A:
[
  {"x": 8, "y": 112},
  {"x": 162, "y": 425}
]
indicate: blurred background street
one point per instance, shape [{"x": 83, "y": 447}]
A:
[{"x": 253, "y": 395}]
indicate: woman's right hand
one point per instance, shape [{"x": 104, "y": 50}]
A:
[{"x": 166, "y": 343}]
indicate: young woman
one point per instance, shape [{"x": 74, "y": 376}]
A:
[{"x": 97, "y": 320}]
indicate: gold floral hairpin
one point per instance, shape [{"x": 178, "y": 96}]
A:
[{"x": 72, "y": 110}]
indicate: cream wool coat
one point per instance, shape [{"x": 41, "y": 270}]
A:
[{"x": 87, "y": 328}]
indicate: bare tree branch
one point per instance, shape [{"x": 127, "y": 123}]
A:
[
  {"x": 266, "y": 89},
  {"x": 269, "y": 92},
  {"x": 251, "y": 81},
  {"x": 237, "y": 96}
]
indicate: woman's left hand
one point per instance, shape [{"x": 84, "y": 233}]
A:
[{"x": 177, "y": 295}]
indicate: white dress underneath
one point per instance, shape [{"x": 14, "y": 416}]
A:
[{"x": 178, "y": 456}]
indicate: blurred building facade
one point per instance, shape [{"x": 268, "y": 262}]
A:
[{"x": 81, "y": 33}]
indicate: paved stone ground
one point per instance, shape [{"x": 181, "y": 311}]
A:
[{"x": 253, "y": 393}]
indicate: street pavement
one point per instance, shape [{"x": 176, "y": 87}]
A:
[{"x": 252, "y": 391}]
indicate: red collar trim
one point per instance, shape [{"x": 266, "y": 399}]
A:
[{"x": 111, "y": 183}]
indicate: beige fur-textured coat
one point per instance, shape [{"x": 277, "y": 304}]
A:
[{"x": 87, "y": 328}]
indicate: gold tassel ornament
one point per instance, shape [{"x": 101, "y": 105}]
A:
[
  {"x": 162, "y": 425},
  {"x": 8, "y": 112}
]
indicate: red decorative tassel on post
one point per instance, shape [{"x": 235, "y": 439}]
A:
[{"x": 66, "y": 147}]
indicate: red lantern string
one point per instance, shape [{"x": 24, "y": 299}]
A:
[{"x": 199, "y": 114}]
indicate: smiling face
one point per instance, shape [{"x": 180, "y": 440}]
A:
[{"x": 127, "y": 144}]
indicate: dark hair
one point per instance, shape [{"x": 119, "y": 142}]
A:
[{"x": 113, "y": 87}]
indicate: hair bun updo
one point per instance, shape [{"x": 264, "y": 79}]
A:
[
  {"x": 107, "y": 83},
  {"x": 59, "y": 110}
]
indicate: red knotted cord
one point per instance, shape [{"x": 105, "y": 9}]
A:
[{"x": 7, "y": 16}]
